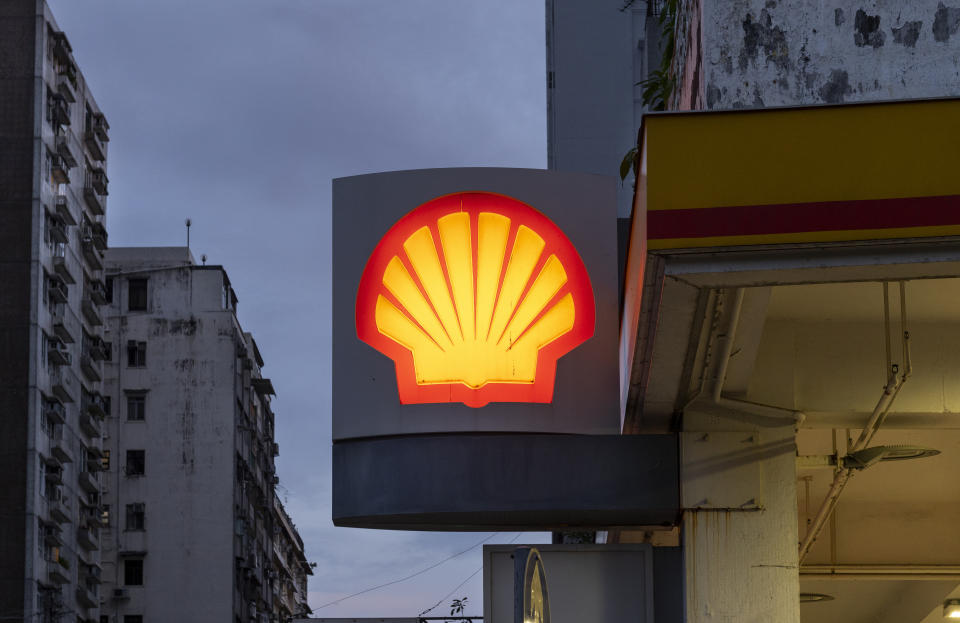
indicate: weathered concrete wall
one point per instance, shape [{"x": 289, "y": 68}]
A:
[
  {"x": 187, "y": 435},
  {"x": 741, "y": 565},
  {"x": 760, "y": 53}
]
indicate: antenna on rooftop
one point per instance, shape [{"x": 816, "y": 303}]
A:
[
  {"x": 203, "y": 258},
  {"x": 188, "y": 223}
]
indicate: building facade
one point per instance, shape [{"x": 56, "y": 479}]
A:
[
  {"x": 53, "y": 188},
  {"x": 189, "y": 462},
  {"x": 291, "y": 568}
]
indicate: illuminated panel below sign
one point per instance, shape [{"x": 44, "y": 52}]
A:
[{"x": 475, "y": 296}]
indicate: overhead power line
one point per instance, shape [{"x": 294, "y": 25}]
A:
[
  {"x": 412, "y": 575},
  {"x": 444, "y": 598}
]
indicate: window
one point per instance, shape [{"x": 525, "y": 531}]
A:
[
  {"x": 136, "y": 463},
  {"x": 136, "y": 406},
  {"x": 105, "y": 515},
  {"x": 133, "y": 618},
  {"x": 105, "y": 461},
  {"x": 108, "y": 286},
  {"x": 136, "y": 354},
  {"x": 137, "y": 295},
  {"x": 133, "y": 572},
  {"x": 136, "y": 516}
]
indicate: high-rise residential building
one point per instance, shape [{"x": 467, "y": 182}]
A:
[
  {"x": 190, "y": 521},
  {"x": 53, "y": 187}
]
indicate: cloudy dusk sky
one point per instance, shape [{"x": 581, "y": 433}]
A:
[{"x": 237, "y": 114}]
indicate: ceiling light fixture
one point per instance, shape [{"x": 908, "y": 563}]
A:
[
  {"x": 951, "y": 609},
  {"x": 811, "y": 597},
  {"x": 869, "y": 456}
]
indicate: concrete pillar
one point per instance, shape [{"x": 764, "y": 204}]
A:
[{"x": 740, "y": 524}]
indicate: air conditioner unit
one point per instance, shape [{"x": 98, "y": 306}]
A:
[{"x": 120, "y": 593}]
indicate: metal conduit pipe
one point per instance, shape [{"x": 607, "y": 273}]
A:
[
  {"x": 763, "y": 410},
  {"x": 843, "y": 475},
  {"x": 881, "y": 572},
  {"x": 890, "y": 391},
  {"x": 907, "y": 364},
  {"x": 882, "y": 576},
  {"x": 728, "y": 338},
  {"x": 894, "y": 419},
  {"x": 904, "y": 569},
  {"x": 826, "y": 509}
]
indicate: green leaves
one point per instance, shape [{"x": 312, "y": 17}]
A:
[
  {"x": 629, "y": 162},
  {"x": 659, "y": 85}
]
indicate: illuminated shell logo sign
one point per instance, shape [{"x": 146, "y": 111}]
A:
[{"x": 475, "y": 296}]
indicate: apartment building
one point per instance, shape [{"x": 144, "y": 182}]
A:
[
  {"x": 53, "y": 188},
  {"x": 191, "y": 530}
]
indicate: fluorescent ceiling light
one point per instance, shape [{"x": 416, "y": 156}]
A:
[{"x": 951, "y": 609}]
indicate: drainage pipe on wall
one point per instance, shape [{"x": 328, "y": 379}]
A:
[{"x": 728, "y": 338}]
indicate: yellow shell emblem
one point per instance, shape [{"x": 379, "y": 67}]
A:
[{"x": 475, "y": 296}]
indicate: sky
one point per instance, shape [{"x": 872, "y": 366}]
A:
[{"x": 237, "y": 114}]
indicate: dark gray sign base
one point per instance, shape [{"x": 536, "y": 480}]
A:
[{"x": 506, "y": 481}]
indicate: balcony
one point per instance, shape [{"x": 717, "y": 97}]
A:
[
  {"x": 90, "y": 252},
  {"x": 52, "y": 536},
  {"x": 54, "y": 412},
  {"x": 89, "y": 424},
  {"x": 87, "y": 538},
  {"x": 94, "y": 460},
  {"x": 90, "y": 367},
  {"x": 91, "y": 311},
  {"x": 58, "y": 447},
  {"x": 89, "y": 482},
  {"x": 100, "y": 127},
  {"x": 98, "y": 181},
  {"x": 64, "y": 384},
  {"x": 67, "y": 82},
  {"x": 61, "y": 47},
  {"x": 63, "y": 211},
  {"x": 58, "y": 355},
  {"x": 57, "y": 290},
  {"x": 96, "y": 290},
  {"x": 66, "y": 325},
  {"x": 65, "y": 153},
  {"x": 59, "y": 111},
  {"x": 95, "y": 134},
  {"x": 92, "y": 141},
  {"x": 98, "y": 233},
  {"x": 94, "y": 189},
  {"x": 59, "y": 509},
  {"x": 99, "y": 349},
  {"x": 94, "y": 404},
  {"x": 53, "y": 475},
  {"x": 86, "y": 597},
  {"x": 59, "y": 171},
  {"x": 57, "y": 571},
  {"x": 57, "y": 231},
  {"x": 91, "y": 573},
  {"x": 60, "y": 266}
]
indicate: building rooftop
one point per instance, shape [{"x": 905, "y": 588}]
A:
[{"x": 147, "y": 258}]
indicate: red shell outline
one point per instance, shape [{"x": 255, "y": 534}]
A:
[{"x": 578, "y": 284}]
